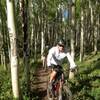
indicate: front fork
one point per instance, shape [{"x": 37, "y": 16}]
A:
[{"x": 60, "y": 88}]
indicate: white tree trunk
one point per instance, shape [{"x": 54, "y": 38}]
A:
[
  {"x": 96, "y": 32},
  {"x": 42, "y": 43},
  {"x": 1, "y": 43},
  {"x": 82, "y": 38},
  {"x": 95, "y": 40},
  {"x": 35, "y": 47},
  {"x": 73, "y": 29},
  {"x": 13, "y": 59}
]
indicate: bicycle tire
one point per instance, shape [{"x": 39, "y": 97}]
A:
[
  {"x": 66, "y": 93},
  {"x": 49, "y": 93}
]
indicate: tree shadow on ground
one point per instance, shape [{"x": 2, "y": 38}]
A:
[{"x": 38, "y": 94}]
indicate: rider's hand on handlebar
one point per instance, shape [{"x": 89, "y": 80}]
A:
[
  {"x": 75, "y": 69},
  {"x": 72, "y": 69}
]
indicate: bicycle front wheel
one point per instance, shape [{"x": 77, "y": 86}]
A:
[
  {"x": 66, "y": 93},
  {"x": 49, "y": 94}
]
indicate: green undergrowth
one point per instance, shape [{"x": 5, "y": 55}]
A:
[
  {"x": 5, "y": 81},
  {"x": 5, "y": 85},
  {"x": 86, "y": 85}
]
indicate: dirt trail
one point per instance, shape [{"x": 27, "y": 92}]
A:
[{"x": 39, "y": 85}]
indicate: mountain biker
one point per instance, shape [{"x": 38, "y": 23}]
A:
[{"x": 55, "y": 57}]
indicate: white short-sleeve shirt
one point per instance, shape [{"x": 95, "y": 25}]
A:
[{"x": 55, "y": 57}]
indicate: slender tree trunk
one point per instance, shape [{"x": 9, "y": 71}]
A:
[
  {"x": 42, "y": 30},
  {"x": 82, "y": 37},
  {"x": 26, "y": 43},
  {"x": 92, "y": 21},
  {"x": 42, "y": 43},
  {"x": 73, "y": 28},
  {"x": 3, "y": 39},
  {"x": 35, "y": 38},
  {"x": 24, "y": 14},
  {"x": 32, "y": 28},
  {"x": 95, "y": 39},
  {"x": 96, "y": 30},
  {"x": 35, "y": 47},
  {"x": 13, "y": 59}
]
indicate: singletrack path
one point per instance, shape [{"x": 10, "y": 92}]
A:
[{"x": 39, "y": 84}]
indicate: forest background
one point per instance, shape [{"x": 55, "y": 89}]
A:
[{"x": 28, "y": 26}]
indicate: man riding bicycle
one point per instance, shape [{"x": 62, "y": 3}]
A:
[{"x": 55, "y": 57}]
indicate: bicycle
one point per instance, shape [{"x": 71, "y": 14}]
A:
[{"x": 60, "y": 89}]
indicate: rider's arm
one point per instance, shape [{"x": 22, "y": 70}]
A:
[
  {"x": 71, "y": 61},
  {"x": 49, "y": 57}
]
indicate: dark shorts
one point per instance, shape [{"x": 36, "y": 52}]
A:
[
  {"x": 57, "y": 68},
  {"x": 59, "y": 71}
]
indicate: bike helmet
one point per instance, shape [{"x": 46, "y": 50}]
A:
[{"x": 61, "y": 42}]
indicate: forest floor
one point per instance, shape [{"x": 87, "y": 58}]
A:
[{"x": 39, "y": 85}]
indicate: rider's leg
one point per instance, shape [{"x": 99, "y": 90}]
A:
[{"x": 52, "y": 75}]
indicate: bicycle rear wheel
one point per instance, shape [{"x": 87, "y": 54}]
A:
[{"x": 66, "y": 93}]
